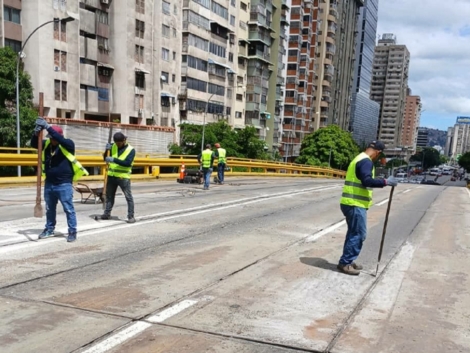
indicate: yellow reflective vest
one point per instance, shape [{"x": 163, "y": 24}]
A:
[
  {"x": 206, "y": 158},
  {"x": 354, "y": 193},
  {"x": 78, "y": 169},
  {"x": 116, "y": 170},
  {"x": 222, "y": 155}
]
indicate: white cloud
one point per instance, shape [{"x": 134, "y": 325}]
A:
[{"x": 437, "y": 35}]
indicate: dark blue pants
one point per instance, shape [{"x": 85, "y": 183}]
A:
[
  {"x": 111, "y": 188},
  {"x": 356, "y": 219},
  {"x": 220, "y": 172},
  {"x": 63, "y": 193}
]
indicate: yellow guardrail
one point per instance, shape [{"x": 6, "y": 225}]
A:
[{"x": 150, "y": 165}]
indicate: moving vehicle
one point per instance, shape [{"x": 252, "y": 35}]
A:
[{"x": 430, "y": 182}]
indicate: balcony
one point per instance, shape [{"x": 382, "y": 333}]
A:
[
  {"x": 258, "y": 54},
  {"x": 260, "y": 36},
  {"x": 251, "y": 106}
]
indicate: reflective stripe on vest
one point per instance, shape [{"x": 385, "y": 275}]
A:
[
  {"x": 354, "y": 193},
  {"x": 222, "y": 155},
  {"x": 116, "y": 170},
  {"x": 78, "y": 169},
  {"x": 206, "y": 158}
]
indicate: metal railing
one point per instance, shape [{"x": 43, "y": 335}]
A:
[{"x": 148, "y": 164}]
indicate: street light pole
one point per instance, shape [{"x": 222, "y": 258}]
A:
[
  {"x": 17, "y": 84},
  {"x": 329, "y": 161}
]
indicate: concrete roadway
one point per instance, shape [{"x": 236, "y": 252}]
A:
[{"x": 245, "y": 267}]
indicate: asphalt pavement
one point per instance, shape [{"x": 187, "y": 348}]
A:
[{"x": 249, "y": 266}]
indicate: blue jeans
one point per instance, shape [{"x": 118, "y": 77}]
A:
[
  {"x": 220, "y": 172},
  {"x": 356, "y": 219},
  {"x": 64, "y": 194},
  {"x": 207, "y": 176}
]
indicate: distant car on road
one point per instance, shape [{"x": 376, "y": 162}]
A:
[
  {"x": 453, "y": 179},
  {"x": 430, "y": 182}
]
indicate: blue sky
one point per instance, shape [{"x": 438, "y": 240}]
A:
[{"x": 437, "y": 35}]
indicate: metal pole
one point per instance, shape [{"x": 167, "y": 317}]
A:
[
  {"x": 204, "y": 122},
  {"x": 329, "y": 161},
  {"x": 18, "y": 135}
]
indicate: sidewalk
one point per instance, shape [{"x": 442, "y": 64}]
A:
[{"x": 422, "y": 302}]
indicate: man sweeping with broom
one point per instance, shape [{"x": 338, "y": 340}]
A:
[
  {"x": 356, "y": 200},
  {"x": 60, "y": 168}
]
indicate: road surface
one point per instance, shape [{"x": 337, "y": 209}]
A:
[{"x": 249, "y": 266}]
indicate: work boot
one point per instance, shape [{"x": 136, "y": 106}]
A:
[
  {"x": 348, "y": 269},
  {"x": 105, "y": 216},
  {"x": 130, "y": 220},
  {"x": 46, "y": 234},
  {"x": 71, "y": 237},
  {"x": 357, "y": 267}
]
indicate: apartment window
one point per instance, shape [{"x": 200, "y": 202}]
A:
[
  {"x": 140, "y": 29},
  {"x": 139, "y": 54},
  {"x": 238, "y": 115},
  {"x": 103, "y": 71},
  {"x": 233, "y": 3},
  {"x": 103, "y": 94},
  {"x": 205, "y": 3},
  {"x": 198, "y": 42},
  {"x": 195, "y": 84},
  {"x": 216, "y": 89},
  {"x": 165, "y": 54},
  {"x": 244, "y": 7},
  {"x": 195, "y": 105},
  {"x": 232, "y": 20},
  {"x": 140, "y": 6},
  {"x": 138, "y": 101},
  {"x": 174, "y": 55},
  {"x": 229, "y": 93},
  {"x": 174, "y": 33},
  {"x": 60, "y": 31},
  {"x": 215, "y": 108},
  {"x": 219, "y": 10},
  {"x": 60, "y": 60},
  {"x": 140, "y": 80},
  {"x": 230, "y": 57},
  {"x": 103, "y": 43},
  {"x": 239, "y": 97},
  {"x": 60, "y": 90},
  {"x": 196, "y": 63},
  {"x": 242, "y": 25},
  {"x": 173, "y": 78},
  {"x": 198, "y": 20},
  {"x": 175, "y": 9},
  {"x": 228, "y": 111},
  {"x": 102, "y": 17},
  {"x": 217, "y": 70},
  {"x": 11, "y": 15},
  {"x": 165, "y": 30},
  {"x": 166, "y": 75},
  {"x": 165, "y": 7},
  {"x": 217, "y": 50},
  {"x": 13, "y": 44}
]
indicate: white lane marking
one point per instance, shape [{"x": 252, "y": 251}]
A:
[
  {"x": 171, "y": 311},
  {"x": 407, "y": 190},
  {"x": 119, "y": 337},
  {"x": 206, "y": 208},
  {"x": 382, "y": 202},
  {"x": 323, "y": 232}
]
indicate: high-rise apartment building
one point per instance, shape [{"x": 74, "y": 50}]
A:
[
  {"x": 364, "y": 111},
  {"x": 96, "y": 68},
  {"x": 300, "y": 64},
  {"x": 210, "y": 50},
  {"x": 389, "y": 88},
  {"x": 458, "y": 138},
  {"x": 347, "y": 13},
  {"x": 411, "y": 121},
  {"x": 423, "y": 137},
  {"x": 11, "y": 33}
]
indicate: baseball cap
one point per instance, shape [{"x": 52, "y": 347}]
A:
[
  {"x": 57, "y": 129},
  {"x": 119, "y": 137},
  {"x": 377, "y": 145}
]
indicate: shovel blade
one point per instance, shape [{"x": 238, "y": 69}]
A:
[{"x": 38, "y": 213}]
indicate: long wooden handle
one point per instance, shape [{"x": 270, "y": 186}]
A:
[
  {"x": 39, "y": 173},
  {"x": 385, "y": 228}
]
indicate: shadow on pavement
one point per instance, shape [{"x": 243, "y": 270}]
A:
[{"x": 319, "y": 262}]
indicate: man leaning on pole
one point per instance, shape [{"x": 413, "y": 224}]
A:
[
  {"x": 221, "y": 154},
  {"x": 356, "y": 200}
]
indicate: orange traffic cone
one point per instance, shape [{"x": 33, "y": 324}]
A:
[{"x": 182, "y": 171}]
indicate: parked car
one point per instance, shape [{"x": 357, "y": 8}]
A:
[{"x": 430, "y": 182}]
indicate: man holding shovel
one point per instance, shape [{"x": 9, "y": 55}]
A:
[
  {"x": 61, "y": 168},
  {"x": 356, "y": 200}
]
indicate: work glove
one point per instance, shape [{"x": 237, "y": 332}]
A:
[
  {"x": 42, "y": 123},
  {"x": 108, "y": 146},
  {"x": 37, "y": 129},
  {"x": 109, "y": 159},
  {"x": 391, "y": 181}
]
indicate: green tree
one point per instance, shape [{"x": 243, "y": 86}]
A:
[
  {"x": 316, "y": 148},
  {"x": 432, "y": 157},
  {"x": 28, "y": 114},
  {"x": 394, "y": 163},
  {"x": 464, "y": 161},
  {"x": 243, "y": 143}
]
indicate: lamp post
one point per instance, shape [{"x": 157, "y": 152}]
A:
[
  {"x": 20, "y": 56},
  {"x": 329, "y": 161}
]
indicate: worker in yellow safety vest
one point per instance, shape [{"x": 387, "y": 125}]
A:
[
  {"x": 60, "y": 169},
  {"x": 120, "y": 163},
  {"x": 221, "y": 154},
  {"x": 357, "y": 199},
  {"x": 206, "y": 161}
]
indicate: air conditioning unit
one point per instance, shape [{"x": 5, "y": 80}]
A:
[
  {"x": 56, "y": 68},
  {"x": 141, "y": 111}
]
